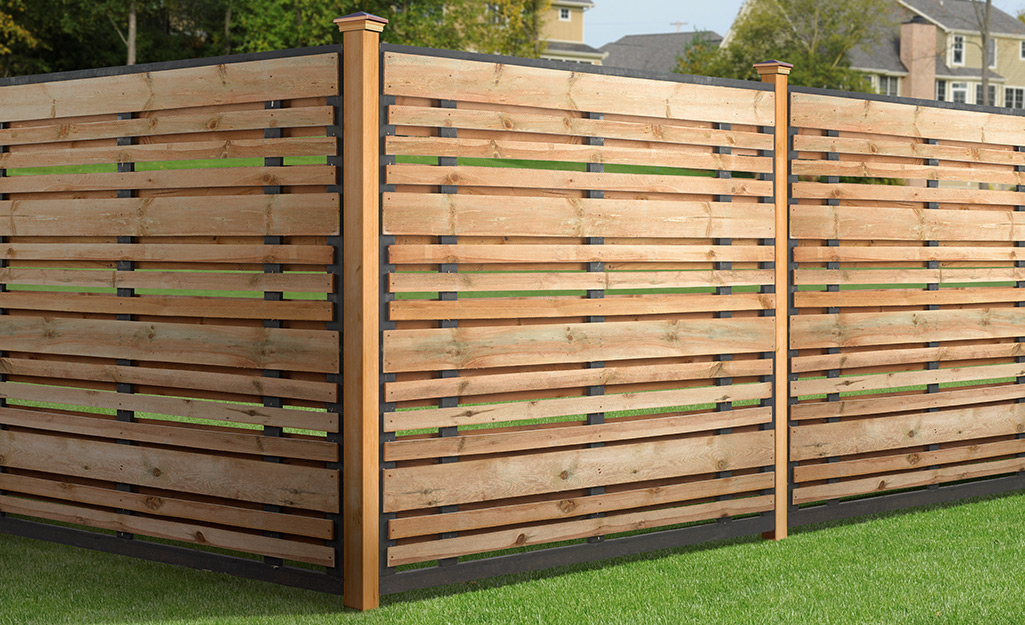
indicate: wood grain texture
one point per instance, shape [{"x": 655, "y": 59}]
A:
[
  {"x": 891, "y": 193},
  {"x": 476, "y": 215},
  {"x": 608, "y": 280},
  {"x": 473, "y": 348},
  {"x": 262, "y": 215},
  {"x": 476, "y": 81},
  {"x": 516, "y": 411},
  {"x": 287, "y": 485},
  {"x": 181, "y": 252},
  {"x": 853, "y": 406},
  {"x": 883, "y": 356},
  {"x": 252, "y": 81},
  {"x": 250, "y": 281},
  {"x": 500, "y": 478},
  {"x": 906, "y": 297},
  {"x": 889, "y": 328},
  {"x": 566, "y": 123},
  {"x": 856, "y": 383},
  {"x": 512, "y": 253},
  {"x": 906, "y": 224},
  {"x": 908, "y": 148}
]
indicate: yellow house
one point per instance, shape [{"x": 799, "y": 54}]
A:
[{"x": 564, "y": 34}]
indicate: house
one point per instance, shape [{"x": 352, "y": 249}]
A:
[
  {"x": 564, "y": 34},
  {"x": 656, "y": 53},
  {"x": 934, "y": 51}
]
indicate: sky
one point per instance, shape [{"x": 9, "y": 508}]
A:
[{"x": 611, "y": 19}]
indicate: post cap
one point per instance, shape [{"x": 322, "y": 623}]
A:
[
  {"x": 773, "y": 67},
  {"x": 361, "y": 21}
]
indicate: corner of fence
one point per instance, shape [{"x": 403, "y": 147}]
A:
[
  {"x": 777, "y": 73},
  {"x": 360, "y": 363}
]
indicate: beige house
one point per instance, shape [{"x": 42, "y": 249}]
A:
[
  {"x": 564, "y": 34},
  {"x": 934, "y": 51}
]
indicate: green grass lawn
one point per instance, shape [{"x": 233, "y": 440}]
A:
[{"x": 949, "y": 564}]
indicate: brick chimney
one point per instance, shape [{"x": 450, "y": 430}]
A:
[{"x": 918, "y": 53}]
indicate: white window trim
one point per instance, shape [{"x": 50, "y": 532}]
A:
[
  {"x": 879, "y": 84},
  {"x": 962, "y": 86},
  {"x": 1019, "y": 90},
  {"x": 953, "y": 40},
  {"x": 1021, "y": 50},
  {"x": 976, "y": 87},
  {"x": 993, "y": 60},
  {"x": 564, "y": 11}
]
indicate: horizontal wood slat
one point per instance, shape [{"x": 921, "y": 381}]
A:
[
  {"x": 883, "y": 356},
  {"x": 913, "y": 148},
  {"x": 470, "y": 282},
  {"x": 496, "y": 413},
  {"x": 228, "y": 346},
  {"x": 261, "y": 215},
  {"x": 478, "y": 215},
  {"x": 965, "y": 173},
  {"x": 905, "y": 224},
  {"x": 499, "y": 478},
  {"x": 287, "y": 485},
  {"x": 180, "y": 306},
  {"x": 850, "y": 384},
  {"x": 409, "y": 254},
  {"x": 890, "y": 193},
  {"x": 181, "y": 280},
  {"x": 167, "y": 123},
  {"x": 508, "y": 177},
  {"x": 192, "y": 253},
  {"x": 662, "y": 156},
  {"x": 227, "y": 83},
  {"x": 173, "y": 179},
  {"x": 563, "y": 123},
  {"x": 475, "y": 81},
  {"x": 853, "y": 406},
  {"x": 850, "y": 254},
  {"x": 473, "y": 348},
  {"x": 890, "y": 328}
]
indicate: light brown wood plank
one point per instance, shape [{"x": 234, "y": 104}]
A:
[
  {"x": 173, "y": 179},
  {"x": 478, "y": 282},
  {"x": 172, "y": 530},
  {"x": 560, "y": 123},
  {"x": 499, "y": 478},
  {"x": 185, "y": 252},
  {"x": 875, "y": 358},
  {"x": 481, "y": 215},
  {"x": 261, "y": 215},
  {"x": 170, "y": 506},
  {"x": 252, "y": 81},
  {"x": 906, "y": 462},
  {"x": 183, "y": 378},
  {"x": 474, "y": 348},
  {"x": 859, "y": 329},
  {"x": 185, "y": 280},
  {"x": 909, "y": 148},
  {"x": 539, "y": 380},
  {"x": 539, "y": 534},
  {"x": 190, "y": 150},
  {"x": 906, "y": 297},
  {"x": 168, "y": 123},
  {"x": 890, "y": 193},
  {"x": 149, "y": 432},
  {"x": 853, "y": 406},
  {"x": 912, "y": 171},
  {"x": 463, "y": 520},
  {"x": 549, "y": 307},
  {"x": 905, "y": 224},
  {"x": 892, "y": 118},
  {"x": 227, "y": 346},
  {"x": 508, "y": 177},
  {"x": 202, "y": 474},
  {"x": 412, "y": 254},
  {"x": 855, "y": 383},
  {"x": 516, "y": 411},
  {"x": 910, "y": 430},
  {"x": 472, "y": 443},
  {"x": 476, "y": 81},
  {"x": 662, "y": 156},
  {"x": 217, "y": 307},
  {"x": 907, "y": 480},
  {"x": 901, "y": 254}
]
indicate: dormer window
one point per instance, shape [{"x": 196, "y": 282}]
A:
[
  {"x": 957, "y": 50},
  {"x": 564, "y": 15}
]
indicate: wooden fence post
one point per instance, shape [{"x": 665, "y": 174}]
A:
[
  {"x": 776, "y": 72},
  {"x": 360, "y": 369}
]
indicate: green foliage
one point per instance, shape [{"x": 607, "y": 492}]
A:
[
  {"x": 57, "y": 35},
  {"x": 815, "y": 35}
]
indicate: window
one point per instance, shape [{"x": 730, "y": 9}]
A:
[
  {"x": 564, "y": 15},
  {"x": 959, "y": 92},
  {"x": 957, "y": 51},
  {"x": 1021, "y": 51},
  {"x": 941, "y": 90},
  {"x": 992, "y": 52},
  {"x": 992, "y": 95},
  {"x": 889, "y": 85},
  {"x": 1014, "y": 97}
]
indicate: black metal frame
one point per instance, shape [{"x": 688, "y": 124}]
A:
[{"x": 264, "y": 569}]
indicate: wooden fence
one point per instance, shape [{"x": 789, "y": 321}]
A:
[{"x": 567, "y": 296}]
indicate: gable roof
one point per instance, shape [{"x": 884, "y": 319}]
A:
[
  {"x": 960, "y": 15},
  {"x": 656, "y": 53}
]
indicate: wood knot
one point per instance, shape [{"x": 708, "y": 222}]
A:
[
  {"x": 156, "y": 472},
  {"x": 521, "y": 539},
  {"x": 567, "y": 506},
  {"x": 564, "y": 475}
]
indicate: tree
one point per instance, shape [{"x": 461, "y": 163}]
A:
[
  {"x": 815, "y": 35},
  {"x": 982, "y": 12},
  {"x": 15, "y": 39}
]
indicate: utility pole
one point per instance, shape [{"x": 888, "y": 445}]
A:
[{"x": 678, "y": 24}]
